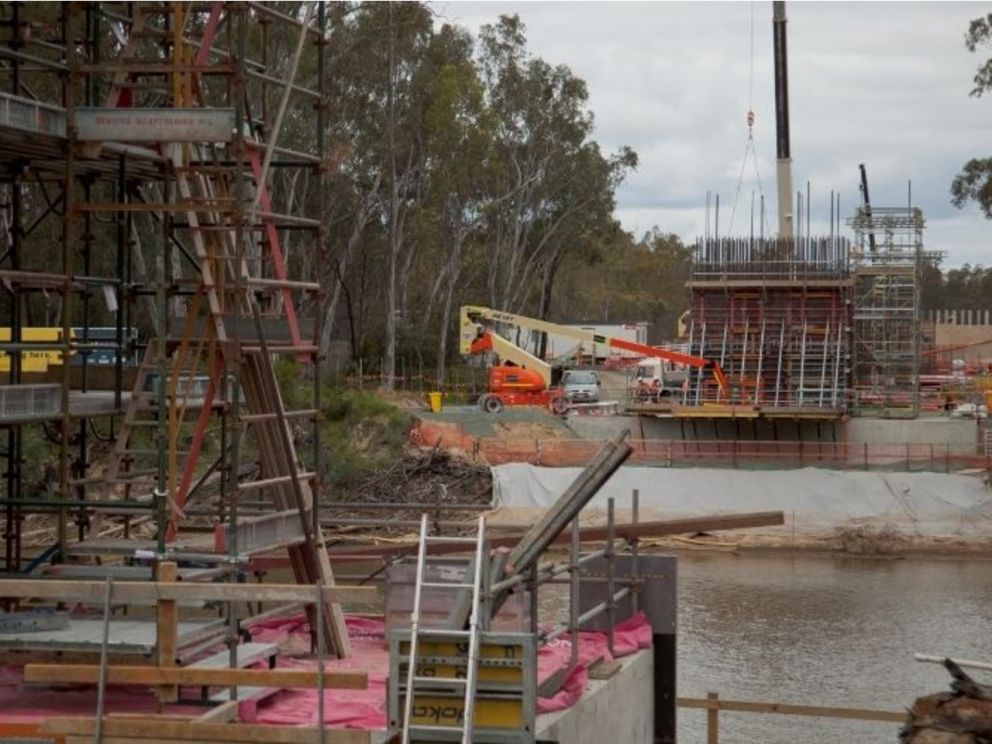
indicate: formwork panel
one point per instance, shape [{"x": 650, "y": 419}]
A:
[{"x": 775, "y": 315}]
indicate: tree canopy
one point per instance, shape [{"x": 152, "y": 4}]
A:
[
  {"x": 468, "y": 173},
  {"x": 974, "y": 182}
]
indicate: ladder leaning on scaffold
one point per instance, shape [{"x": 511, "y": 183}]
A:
[{"x": 472, "y": 634}]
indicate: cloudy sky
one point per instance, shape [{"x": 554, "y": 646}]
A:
[{"x": 885, "y": 84}]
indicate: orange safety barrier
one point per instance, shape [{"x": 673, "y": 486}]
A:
[{"x": 749, "y": 455}]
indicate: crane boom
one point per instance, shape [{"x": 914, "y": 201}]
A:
[{"x": 475, "y": 319}]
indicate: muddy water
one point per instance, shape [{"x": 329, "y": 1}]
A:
[{"x": 822, "y": 631}]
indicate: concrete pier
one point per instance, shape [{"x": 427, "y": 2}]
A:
[{"x": 619, "y": 709}]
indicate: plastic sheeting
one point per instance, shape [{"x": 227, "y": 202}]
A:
[
  {"x": 814, "y": 500},
  {"x": 352, "y": 709},
  {"x": 366, "y": 709}
]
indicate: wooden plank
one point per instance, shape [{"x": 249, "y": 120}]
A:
[
  {"x": 248, "y": 654},
  {"x": 223, "y": 713},
  {"x": 603, "y": 669},
  {"x": 148, "y": 730},
  {"x": 11, "y": 730},
  {"x": 166, "y": 624},
  {"x": 659, "y": 528},
  {"x": 151, "y": 675},
  {"x": 149, "y": 591},
  {"x": 816, "y": 711}
]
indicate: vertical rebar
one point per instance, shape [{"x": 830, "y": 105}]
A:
[
  {"x": 610, "y": 578},
  {"x": 235, "y": 308},
  {"x": 321, "y": 652},
  {"x": 823, "y": 364},
  {"x": 101, "y": 688},
  {"x": 573, "y": 605},
  {"x": 778, "y": 370},
  {"x": 716, "y": 220},
  {"x": 68, "y": 251},
  {"x": 161, "y": 363},
  {"x": 321, "y": 172},
  {"x": 121, "y": 286},
  {"x": 685, "y": 388},
  {"x": 635, "y": 576},
  {"x": 802, "y": 364}
]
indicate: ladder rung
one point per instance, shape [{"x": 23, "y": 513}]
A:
[
  {"x": 432, "y": 633},
  {"x": 276, "y": 481},
  {"x": 422, "y": 729},
  {"x": 283, "y": 284},
  {"x": 252, "y": 417},
  {"x": 282, "y": 349},
  {"x": 441, "y": 585},
  {"x": 441, "y": 681},
  {"x": 468, "y": 540},
  {"x": 150, "y": 452}
]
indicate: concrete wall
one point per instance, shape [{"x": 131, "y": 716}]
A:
[
  {"x": 619, "y": 710},
  {"x": 961, "y": 435},
  {"x": 652, "y": 427}
]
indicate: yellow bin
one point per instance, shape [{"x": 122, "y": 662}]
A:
[{"x": 435, "y": 401}]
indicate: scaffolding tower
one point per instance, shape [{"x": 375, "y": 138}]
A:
[
  {"x": 888, "y": 259},
  {"x": 775, "y": 315},
  {"x": 139, "y": 143}
]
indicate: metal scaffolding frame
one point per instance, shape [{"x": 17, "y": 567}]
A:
[
  {"x": 143, "y": 139},
  {"x": 775, "y": 315},
  {"x": 887, "y": 262}
]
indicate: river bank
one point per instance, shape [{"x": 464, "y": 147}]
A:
[
  {"x": 819, "y": 629},
  {"x": 853, "y": 513}
]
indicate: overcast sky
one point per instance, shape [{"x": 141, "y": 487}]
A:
[{"x": 885, "y": 84}]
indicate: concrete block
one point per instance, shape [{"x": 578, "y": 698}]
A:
[{"x": 618, "y": 709}]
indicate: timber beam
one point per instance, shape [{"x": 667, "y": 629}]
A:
[
  {"x": 158, "y": 729},
  {"x": 193, "y": 676},
  {"x": 151, "y": 591}
]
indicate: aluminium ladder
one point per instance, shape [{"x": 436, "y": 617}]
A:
[{"x": 412, "y": 732}]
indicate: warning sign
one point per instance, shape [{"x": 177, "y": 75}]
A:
[{"x": 154, "y": 124}]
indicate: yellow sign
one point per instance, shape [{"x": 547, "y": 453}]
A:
[
  {"x": 36, "y": 360},
  {"x": 438, "y": 710}
]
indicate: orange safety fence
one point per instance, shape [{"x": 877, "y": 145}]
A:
[{"x": 745, "y": 455}]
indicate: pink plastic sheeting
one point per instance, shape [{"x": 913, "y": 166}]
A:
[
  {"x": 628, "y": 637},
  {"x": 355, "y": 709},
  {"x": 366, "y": 709},
  {"x": 20, "y": 704}
]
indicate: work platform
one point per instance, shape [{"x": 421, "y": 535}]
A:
[
  {"x": 734, "y": 411},
  {"x": 126, "y": 636},
  {"x": 26, "y": 403}
]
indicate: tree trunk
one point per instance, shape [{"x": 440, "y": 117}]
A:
[
  {"x": 547, "y": 285},
  {"x": 454, "y": 273}
]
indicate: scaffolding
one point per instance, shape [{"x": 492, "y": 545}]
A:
[
  {"x": 775, "y": 315},
  {"x": 887, "y": 259},
  {"x": 139, "y": 143}
]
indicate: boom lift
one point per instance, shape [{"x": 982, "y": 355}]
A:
[{"x": 522, "y": 379}]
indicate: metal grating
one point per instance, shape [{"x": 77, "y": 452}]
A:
[
  {"x": 31, "y": 116},
  {"x": 29, "y": 402}
]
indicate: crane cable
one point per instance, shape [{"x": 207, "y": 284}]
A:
[{"x": 749, "y": 148}]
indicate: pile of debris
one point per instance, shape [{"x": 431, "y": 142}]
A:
[
  {"x": 962, "y": 716},
  {"x": 431, "y": 477}
]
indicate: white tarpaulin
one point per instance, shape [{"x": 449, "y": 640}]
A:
[{"x": 813, "y": 500}]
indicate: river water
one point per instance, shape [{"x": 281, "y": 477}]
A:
[{"x": 822, "y": 631}]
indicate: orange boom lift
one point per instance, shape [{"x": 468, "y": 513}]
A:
[{"x": 523, "y": 379}]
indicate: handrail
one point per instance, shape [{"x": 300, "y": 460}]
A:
[{"x": 713, "y": 704}]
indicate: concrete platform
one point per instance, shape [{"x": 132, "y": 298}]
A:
[
  {"x": 619, "y": 709},
  {"x": 126, "y": 636},
  {"x": 81, "y": 405}
]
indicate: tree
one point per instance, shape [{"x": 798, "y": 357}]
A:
[{"x": 974, "y": 182}]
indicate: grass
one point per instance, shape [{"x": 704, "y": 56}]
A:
[
  {"x": 360, "y": 430},
  {"x": 360, "y": 433}
]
